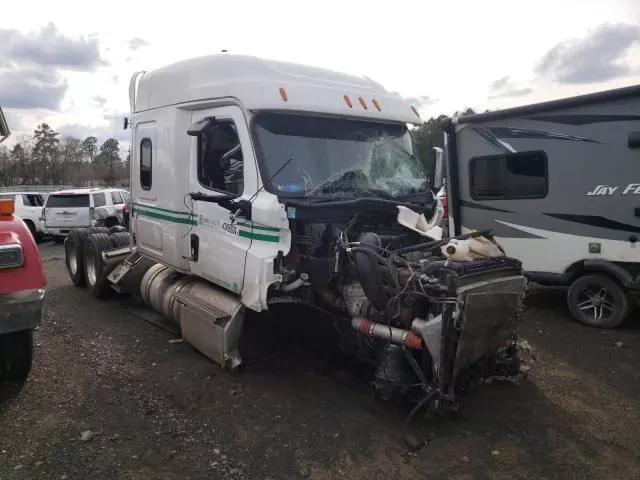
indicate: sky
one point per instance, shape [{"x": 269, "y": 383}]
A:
[{"x": 68, "y": 63}]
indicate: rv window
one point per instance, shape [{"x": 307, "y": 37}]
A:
[
  {"x": 508, "y": 176},
  {"x": 145, "y": 163},
  {"x": 220, "y": 160}
]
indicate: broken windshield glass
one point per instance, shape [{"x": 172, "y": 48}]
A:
[{"x": 338, "y": 157}]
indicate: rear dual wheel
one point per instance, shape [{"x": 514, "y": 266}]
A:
[
  {"x": 94, "y": 269},
  {"x": 74, "y": 247}
]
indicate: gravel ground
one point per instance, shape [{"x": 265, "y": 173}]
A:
[{"x": 110, "y": 397}]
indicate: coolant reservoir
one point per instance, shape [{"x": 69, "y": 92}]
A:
[
  {"x": 471, "y": 248},
  {"x": 456, "y": 250},
  {"x": 483, "y": 247}
]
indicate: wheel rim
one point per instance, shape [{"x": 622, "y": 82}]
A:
[
  {"x": 596, "y": 303},
  {"x": 73, "y": 258},
  {"x": 91, "y": 267}
]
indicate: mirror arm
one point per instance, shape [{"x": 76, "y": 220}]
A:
[
  {"x": 240, "y": 207},
  {"x": 438, "y": 175}
]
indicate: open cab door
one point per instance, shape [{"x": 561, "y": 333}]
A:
[{"x": 4, "y": 128}]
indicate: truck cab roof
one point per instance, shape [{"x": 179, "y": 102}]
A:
[{"x": 261, "y": 84}]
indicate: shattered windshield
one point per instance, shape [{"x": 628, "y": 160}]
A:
[{"x": 338, "y": 157}]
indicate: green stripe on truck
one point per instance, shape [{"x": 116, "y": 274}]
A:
[
  {"x": 257, "y": 227},
  {"x": 192, "y": 221},
  {"x": 259, "y": 236},
  {"x": 162, "y": 216},
  {"x": 174, "y": 212}
]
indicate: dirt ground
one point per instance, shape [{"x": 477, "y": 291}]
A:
[{"x": 151, "y": 409}]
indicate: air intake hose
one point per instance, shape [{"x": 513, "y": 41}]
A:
[{"x": 367, "y": 271}]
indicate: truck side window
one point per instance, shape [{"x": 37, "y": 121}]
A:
[
  {"x": 145, "y": 163},
  {"x": 220, "y": 162},
  {"x": 509, "y": 176}
]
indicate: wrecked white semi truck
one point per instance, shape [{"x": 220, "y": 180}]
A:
[{"x": 257, "y": 183}]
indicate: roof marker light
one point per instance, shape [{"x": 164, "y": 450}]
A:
[
  {"x": 362, "y": 102},
  {"x": 416, "y": 112},
  {"x": 376, "y": 104},
  {"x": 283, "y": 94},
  {"x": 348, "y": 100}
]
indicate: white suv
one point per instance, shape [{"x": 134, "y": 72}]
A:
[
  {"x": 65, "y": 210},
  {"x": 28, "y": 206}
]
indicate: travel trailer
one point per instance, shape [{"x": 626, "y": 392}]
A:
[
  {"x": 558, "y": 184},
  {"x": 259, "y": 185}
]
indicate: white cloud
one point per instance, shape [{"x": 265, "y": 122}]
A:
[{"x": 445, "y": 54}]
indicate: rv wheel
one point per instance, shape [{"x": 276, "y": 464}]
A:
[{"x": 598, "y": 301}]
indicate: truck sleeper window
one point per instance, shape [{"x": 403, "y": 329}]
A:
[
  {"x": 220, "y": 161},
  {"x": 145, "y": 163},
  {"x": 509, "y": 176}
]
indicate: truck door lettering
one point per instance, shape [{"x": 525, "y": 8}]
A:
[{"x": 227, "y": 227}]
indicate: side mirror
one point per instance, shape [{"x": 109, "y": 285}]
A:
[
  {"x": 438, "y": 174},
  {"x": 199, "y": 127}
]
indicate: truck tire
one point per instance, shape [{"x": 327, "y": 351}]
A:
[
  {"x": 110, "y": 222},
  {"x": 16, "y": 355},
  {"x": 74, "y": 255},
  {"x": 98, "y": 230},
  {"x": 32, "y": 228},
  {"x": 93, "y": 268},
  {"x": 598, "y": 301},
  {"x": 119, "y": 239}
]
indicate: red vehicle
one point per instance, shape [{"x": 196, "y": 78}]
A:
[{"x": 22, "y": 283}]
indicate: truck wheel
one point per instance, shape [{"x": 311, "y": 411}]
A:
[
  {"x": 119, "y": 239},
  {"x": 16, "y": 354},
  {"x": 32, "y": 228},
  {"x": 598, "y": 301},
  {"x": 98, "y": 230},
  {"x": 74, "y": 255},
  {"x": 93, "y": 271}
]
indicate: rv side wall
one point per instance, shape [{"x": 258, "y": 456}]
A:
[{"x": 555, "y": 187}]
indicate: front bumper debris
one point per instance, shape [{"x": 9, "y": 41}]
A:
[{"x": 21, "y": 310}]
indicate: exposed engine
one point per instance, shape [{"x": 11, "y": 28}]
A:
[{"x": 431, "y": 316}]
